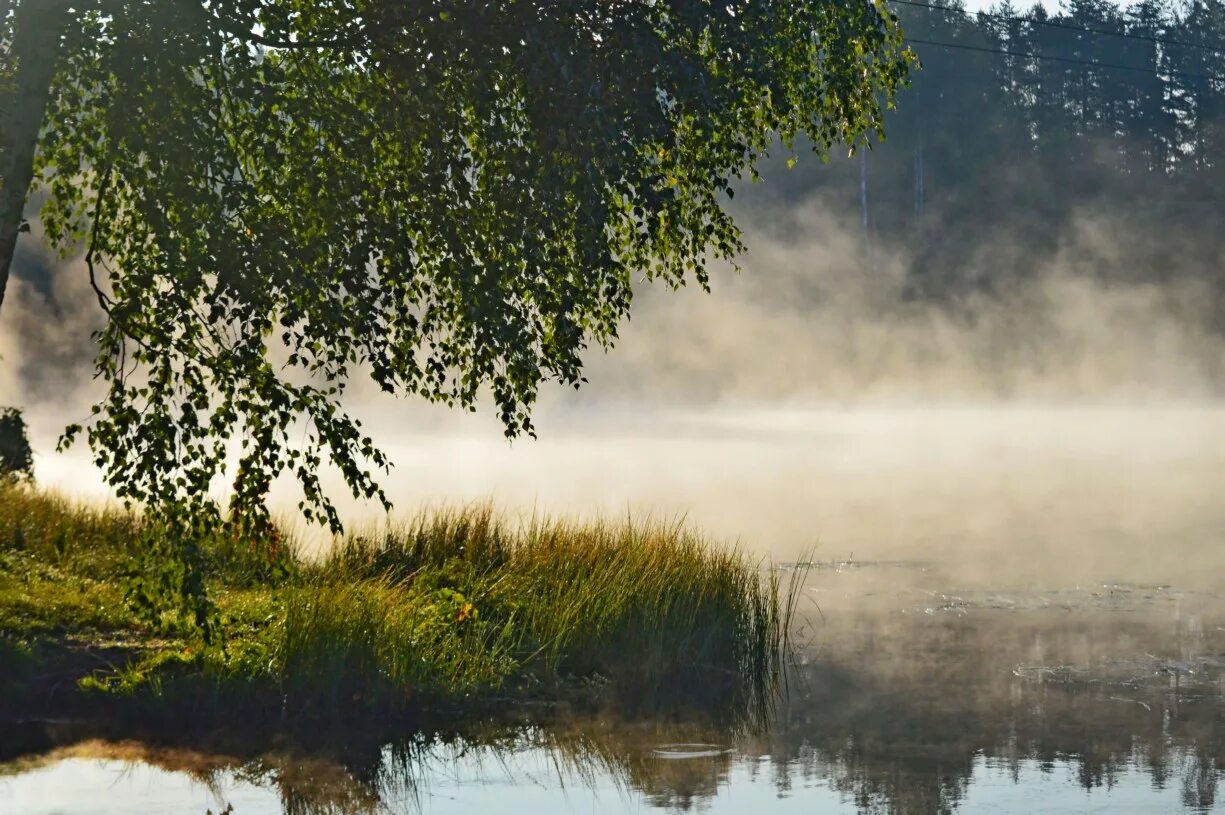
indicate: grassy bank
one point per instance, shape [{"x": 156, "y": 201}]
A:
[{"x": 453, "y": 608}]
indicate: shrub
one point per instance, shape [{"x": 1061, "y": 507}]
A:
[{"x": 16, "y": 457}]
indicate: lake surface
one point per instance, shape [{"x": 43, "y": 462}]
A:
[{"x": 1003, "y": 611}]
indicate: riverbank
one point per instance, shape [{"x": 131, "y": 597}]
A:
[{"x": 454, "y": 610}]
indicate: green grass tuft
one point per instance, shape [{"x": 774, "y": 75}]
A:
[{"x": 454, "y": 605}]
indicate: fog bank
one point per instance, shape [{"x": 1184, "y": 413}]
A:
[{"x": 1062, "y": 428}]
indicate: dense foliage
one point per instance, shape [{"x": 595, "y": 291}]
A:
[
  {"x": 16, "y": 457},
  {"x": 454, "y": 198}
]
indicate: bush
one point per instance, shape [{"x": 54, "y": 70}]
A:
[{"x": 16, "y": 457}]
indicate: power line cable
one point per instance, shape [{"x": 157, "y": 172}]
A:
[
  {"x": 1219, "y": 49},
  {"x": 1069, "y": 60}
]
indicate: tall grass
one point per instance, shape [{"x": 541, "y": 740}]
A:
[
  {"x": 648, "y": 605},
  {"x": 453, "y": 604},
  {"x": 91, "y": 538},
  {"x": 382, "y": 645},
  {"x": 102, "y": 540}
]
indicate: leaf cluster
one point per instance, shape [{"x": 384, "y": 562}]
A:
[{"x": 452, "y": 198}]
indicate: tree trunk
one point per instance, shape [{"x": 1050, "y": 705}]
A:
[{"x": 38, "y": 26}]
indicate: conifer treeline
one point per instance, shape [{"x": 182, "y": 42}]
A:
[{"x": 1001, "y": 141}]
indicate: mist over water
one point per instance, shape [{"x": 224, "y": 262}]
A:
[
  {"x": 1062, "y": 430},
  {"x": 1008, "y": 504}
]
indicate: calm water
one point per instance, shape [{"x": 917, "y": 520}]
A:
[{"x": 1027, "y": 617}]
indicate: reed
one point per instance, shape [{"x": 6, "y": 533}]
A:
[
  {"x": 649, "y": 605},
  {"x": 452, "y": 605}
]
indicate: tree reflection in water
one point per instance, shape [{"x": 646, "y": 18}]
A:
[{"x": 899, "y": 708}]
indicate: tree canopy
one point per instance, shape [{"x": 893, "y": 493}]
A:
[{"x": 455, "y": 197}]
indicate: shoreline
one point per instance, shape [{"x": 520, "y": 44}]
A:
[{"x": 455, "y": 613}]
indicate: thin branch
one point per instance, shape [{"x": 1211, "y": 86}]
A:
[{"x": 103, "y": 299}]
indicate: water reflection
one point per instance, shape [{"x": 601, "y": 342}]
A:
[
  {"x": 904, "y": 723},
  {"x": 908, "y": 699}
]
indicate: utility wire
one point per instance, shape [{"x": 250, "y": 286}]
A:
[
  {"x": 1069, "y": 60},
  {"x": 1054, "y": 24}
]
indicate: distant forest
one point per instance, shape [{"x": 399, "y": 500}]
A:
[{"x": 1020, "y": 120}]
